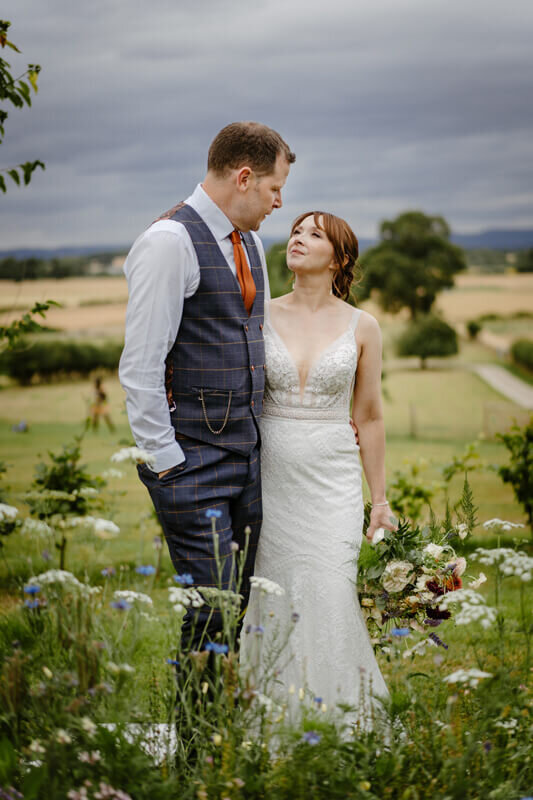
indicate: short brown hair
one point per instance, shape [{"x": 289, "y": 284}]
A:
[
  {"x": 345, "y": 248},
  {"x": 250, "y": 144}
]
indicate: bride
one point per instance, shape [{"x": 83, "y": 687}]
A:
[{"x": 321, "y": 354}]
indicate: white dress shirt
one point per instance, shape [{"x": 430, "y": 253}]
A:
[{"x": 162, "y": 270}]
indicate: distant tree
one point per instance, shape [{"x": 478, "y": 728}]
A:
[
  {"x": 413, "y": 262},
  {"x": 16, "y": 91},
  {"x": 280, "y": 277},
  {"x": 524, "y": 262},
  {"x": 519, "y": 471},
  {"x": 473, "y": 327},
  {"x": 427, "y": 336}
]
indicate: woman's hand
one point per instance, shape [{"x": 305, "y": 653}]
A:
[{"x": 380, "y": 517}]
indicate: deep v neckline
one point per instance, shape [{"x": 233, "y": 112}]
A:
[{"x": 316, "y": 361}]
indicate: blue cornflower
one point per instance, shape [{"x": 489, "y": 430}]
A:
[
  {"x": 214, "y": 647},
  {"x": 213, "y": 512},
  {"x": 400, "y": 632},
  {"x": 31, "y": 603},
  {"x": 32, "y": 589},
  {"x": 107, "y": 571},
  {"x": 318, "y": 701},
  {"x": 186, "y": 579},
  {"x": 311, "y": 737},
  {"x": 173, "y": 662},
  {"x": 121, "y": 605},
  {"x": 147, "y": 570}
]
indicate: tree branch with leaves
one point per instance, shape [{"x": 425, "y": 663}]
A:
[{"x": 17, "y": 92}]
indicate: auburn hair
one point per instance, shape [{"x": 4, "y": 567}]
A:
[
  {"x": 345, "y": 248},
  {"x": 247, "y": 144}
]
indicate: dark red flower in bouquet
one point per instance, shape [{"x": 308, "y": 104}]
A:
[
  {"x": 435, "y": 587},
  {"x": 438, "y": 613}
]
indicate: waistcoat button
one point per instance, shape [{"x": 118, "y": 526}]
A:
[
  {"x": 252, "y": 403},
  {"x": 260, "y": 326},
  {"x": 246, "y": 328},
  {"x": 252, "y": 367}
]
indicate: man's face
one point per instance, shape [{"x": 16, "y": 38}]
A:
[{"x": 264, "y": 194}]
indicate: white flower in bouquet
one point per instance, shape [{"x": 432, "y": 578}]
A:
[
  {"x": 7, "y": 512},
  {"x": 462, "y": 530},
  {"x": 396, "y": 575},
  {"x": 134, "y": 455},
  {"x": 459, "y": 566},
  {"x": 379, "y": 535},
  {"x": 434, "y": 550},
  {"x": 475, "y": 584}
]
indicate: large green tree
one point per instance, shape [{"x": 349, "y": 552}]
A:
[
  {"x": 413, "y": 262},
  {"x": 16, "y": 92}
]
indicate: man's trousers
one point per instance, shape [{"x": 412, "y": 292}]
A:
[{"x": 209, "y": 479}]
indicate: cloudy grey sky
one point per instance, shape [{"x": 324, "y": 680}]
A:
[{"x": 388, "y": 104}]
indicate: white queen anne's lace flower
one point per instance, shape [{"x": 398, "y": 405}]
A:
[
  {"x": 35, "y": 527},
  {"x": 396, "y": 575},
  {"x": 182, "y": 597},
  {"x": 7, "y": 512},
  {"x": 134, "y": 455},
  {"x": 111, "y": 474},
  {"x": 510, "y": 562},
  {"x": 65, "y": 579},
  {"x": 131, "y": 597},
  {"x": 468, "y": 676},
  {"x": 504, "y": 524},
  {"x": 266, "y": 586},
  {"x": 475, "y": 584},
  {"x": 472, "y": 607}
]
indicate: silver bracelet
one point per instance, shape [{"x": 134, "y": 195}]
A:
[{"x": 386, "y": 503}]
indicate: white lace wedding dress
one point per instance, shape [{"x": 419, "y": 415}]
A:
[{"x": 312, "y": 531}]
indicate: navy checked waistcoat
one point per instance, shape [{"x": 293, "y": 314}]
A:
[{"x": 215, "y": 370}]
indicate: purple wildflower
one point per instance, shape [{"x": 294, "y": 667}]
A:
[
  {"x": 311, "y": 737},
  {"x": 295, "y": 616},
  {"x": 121, "y": 605},
  {"x": 31, "y": 603},
  {"x": 108, "y": 571},
  {"x": 437, "y": 640},
  {"x": 173, "y": 662}
]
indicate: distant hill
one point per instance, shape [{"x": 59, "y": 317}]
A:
[{"x": 492, "y": 239}]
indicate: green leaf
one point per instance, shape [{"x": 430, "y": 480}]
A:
[
  {"x": 14, "y": 174},
  {"x": 3, "y": 184}
]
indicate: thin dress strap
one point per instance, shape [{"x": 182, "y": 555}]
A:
[{"x": 355, "y": 318}]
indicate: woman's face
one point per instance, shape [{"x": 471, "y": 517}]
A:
[{"x": 309, "y": 249}]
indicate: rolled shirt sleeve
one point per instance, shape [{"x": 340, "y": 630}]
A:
[{"x": 161, "y": 270}]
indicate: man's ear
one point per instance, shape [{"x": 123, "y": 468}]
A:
[{"x": 243, "y": 178}]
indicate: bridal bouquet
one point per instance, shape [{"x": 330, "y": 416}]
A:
[{"x": 404, "y": 576}]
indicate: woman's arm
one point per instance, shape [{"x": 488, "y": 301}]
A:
[{"x": 367, "y": 416}]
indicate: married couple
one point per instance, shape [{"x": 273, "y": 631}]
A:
[{"x": 244, "y": 404}]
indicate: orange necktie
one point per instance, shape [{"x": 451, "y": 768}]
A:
[{"x": 244, "y": 276}]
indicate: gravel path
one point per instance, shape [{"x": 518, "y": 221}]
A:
[{"x": 500, "y": 379}]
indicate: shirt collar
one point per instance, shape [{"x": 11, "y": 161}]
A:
[{"x": 215, "y": 219}]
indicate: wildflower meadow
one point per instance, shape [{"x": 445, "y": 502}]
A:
[{"x": 90, "y": 702}]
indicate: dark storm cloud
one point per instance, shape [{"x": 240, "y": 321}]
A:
[{"x": 389, "y": 105}]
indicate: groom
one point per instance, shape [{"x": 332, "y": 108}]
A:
[{"x": 193, "y": 361}]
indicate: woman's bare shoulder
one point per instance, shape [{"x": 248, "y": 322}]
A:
[{"x": 368, "y": 326}]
